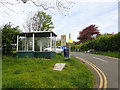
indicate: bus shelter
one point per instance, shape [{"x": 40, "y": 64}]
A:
[{"x": 36, "y": 44}]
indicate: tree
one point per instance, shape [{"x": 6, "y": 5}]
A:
[
  {"x": 8, "y": 38},
  {"x": 28, "y": 22},
  {"x": 88, "y": 33},
  {"x": 58, "y": 42},
  {"x": 42, "y": 22}
]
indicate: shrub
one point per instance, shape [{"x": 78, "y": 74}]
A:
[{"x": 104, "y": 42}]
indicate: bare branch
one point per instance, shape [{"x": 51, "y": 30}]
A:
[
  {"x": 43, "y": 5},
  {"x": 28, "y": 24},
  {"x": 62, "y": 6},
  {"x": 8, "y": 7},
  {"x": 8, "y": 3}
]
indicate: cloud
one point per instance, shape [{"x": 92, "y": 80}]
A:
[
  {"x": 84, "y": 13},
  {"x": 103, "y": 14},
  {"x": 94, "y": 0}
]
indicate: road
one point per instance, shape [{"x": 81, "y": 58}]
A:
[{"x": 108, "y": 65}]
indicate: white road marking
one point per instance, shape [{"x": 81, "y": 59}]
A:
[{"x": 100, "y": 59}]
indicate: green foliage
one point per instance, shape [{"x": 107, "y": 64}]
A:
[
  {"x": 42, "y": 22},
  {"x": 108, "y": 42},
  {"x": 8, "y": 38},
  {"x": 104, "y": 42},
  {"x": 39, "y": 73},
  {"x": 58, "y": 42}
]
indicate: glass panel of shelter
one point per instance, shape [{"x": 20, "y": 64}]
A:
[
  {"x": 44, "y": 42},
  {"x": 40, "y": 43},
  {"x": 26, "y": 43},
  {"x": 53, "y": 43},
  {"x": 21, "y": 43}
]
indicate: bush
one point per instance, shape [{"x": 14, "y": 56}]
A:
[
  {"x": 9, "y": 37},
  {"x": 104, "y": 42}
]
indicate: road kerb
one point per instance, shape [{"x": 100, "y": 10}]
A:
[{"x": 103, "y": 80}]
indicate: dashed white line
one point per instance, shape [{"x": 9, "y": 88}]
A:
[{"x": 100, "y": 59}]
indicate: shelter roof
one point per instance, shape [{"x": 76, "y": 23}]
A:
[{"x": 38, "y": 34}]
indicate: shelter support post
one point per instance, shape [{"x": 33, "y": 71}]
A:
[
  {"x": 33, "y": 43},
  {"x": 17, "y": 41},
  {"x": 51, "y": 40},
  {"x": 55, "y": 44},
  {"x": 25, "y": 43}
]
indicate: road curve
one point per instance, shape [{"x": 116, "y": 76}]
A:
[{"x": 108, "y": 65}]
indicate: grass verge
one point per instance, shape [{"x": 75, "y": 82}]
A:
[
  {"x": 0, "y": 72},
  {"x": 112, "y": 54},
  {"x": 38, "y": 73}
]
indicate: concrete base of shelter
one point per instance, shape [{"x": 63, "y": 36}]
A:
[{"x": 35, "y": 54}]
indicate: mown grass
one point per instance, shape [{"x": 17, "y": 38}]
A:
[
  {"x": 38, "y": 73},
  {"x": 112, "y": 54}
]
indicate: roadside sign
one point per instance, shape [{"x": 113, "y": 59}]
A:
[
  {"x": 63, "y": 47},
  {"x": 70, "y": 41},
  {"x": 63, "y": 40}
]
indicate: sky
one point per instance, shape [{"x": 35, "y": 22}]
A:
[{"x": 83, "y": 13}]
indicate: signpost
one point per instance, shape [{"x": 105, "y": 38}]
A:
[
  {"x": 63, "y": 44},
  {"x": 70, "y": 41}
]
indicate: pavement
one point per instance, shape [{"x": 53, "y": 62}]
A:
[{"x": 108, "y": 65}]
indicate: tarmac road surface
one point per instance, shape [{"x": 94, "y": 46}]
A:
[{"x": 108, "y": 65}]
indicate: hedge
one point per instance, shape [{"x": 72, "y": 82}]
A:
[{"x": 102, "y": 43}]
